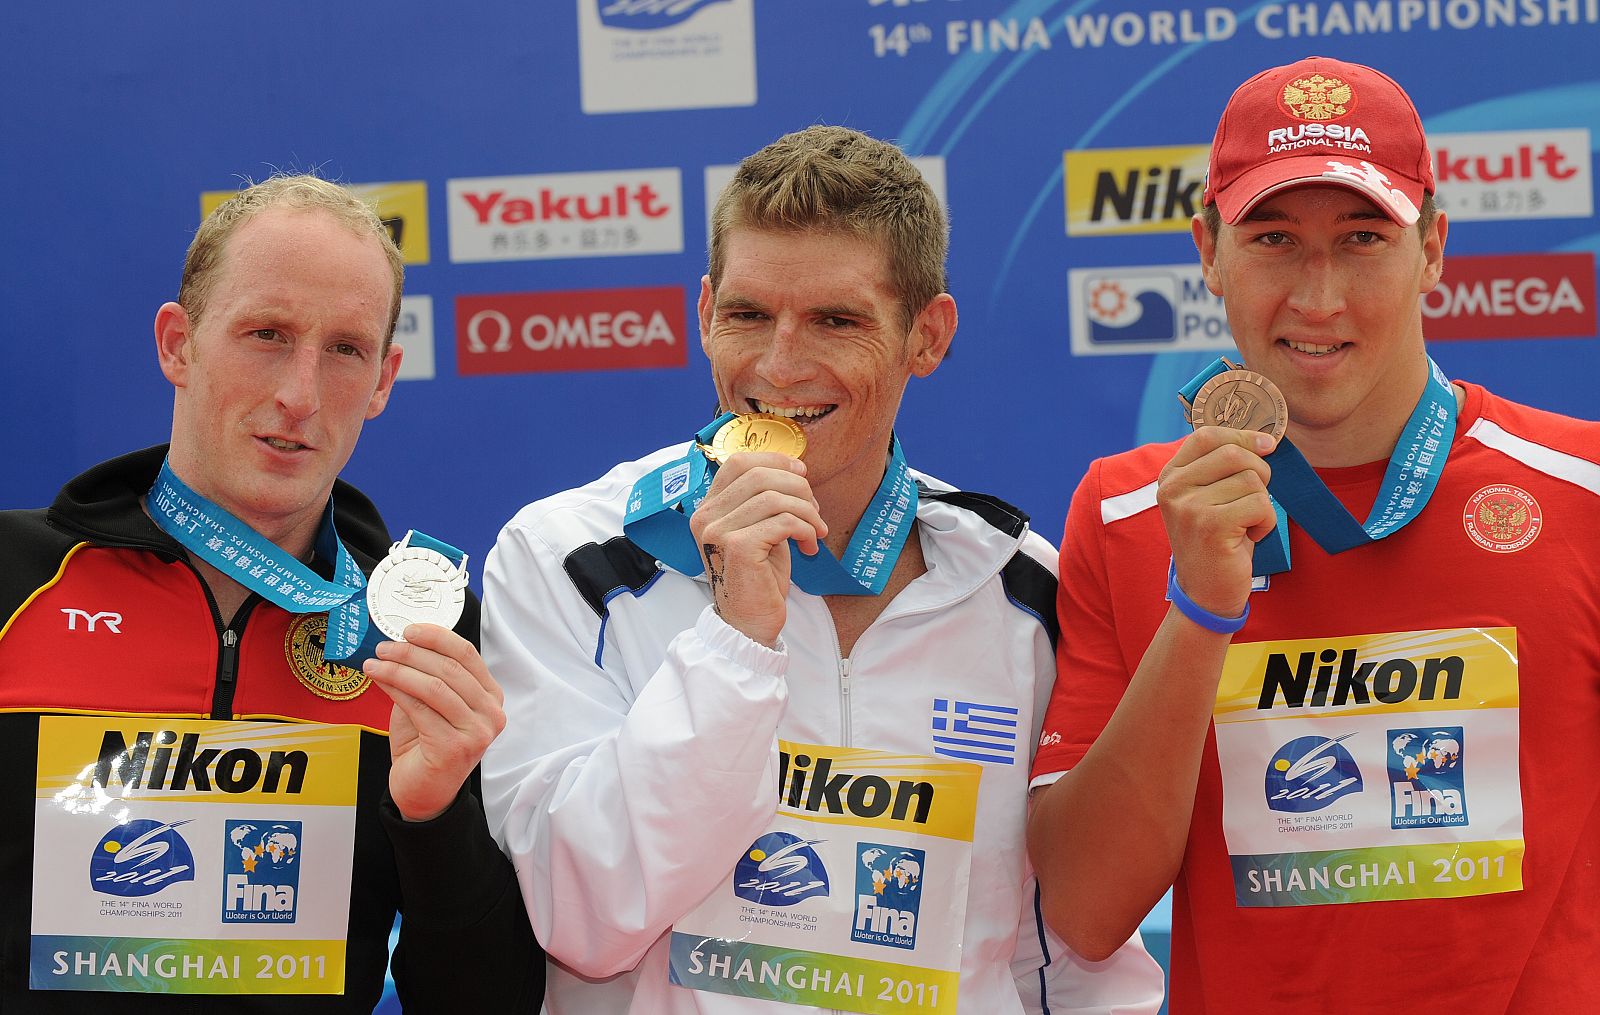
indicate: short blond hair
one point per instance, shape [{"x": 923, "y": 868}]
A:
[
  {"x": 298, "y": 191},
  {"x": 838, "y": 179}
]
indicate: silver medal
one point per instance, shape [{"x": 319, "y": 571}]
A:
[{"x": 415, "y": 585}]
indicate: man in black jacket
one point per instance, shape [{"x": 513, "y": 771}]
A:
[{"x": 206, "y": 808}]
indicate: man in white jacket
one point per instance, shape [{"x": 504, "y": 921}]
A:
[{"x": 767, "y": 739}]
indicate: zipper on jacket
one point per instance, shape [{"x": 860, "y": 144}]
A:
[
  {"x": 228, "y": 654},
  {"x": 844, "y": 701},
  {"x": 227, "y": 675}
]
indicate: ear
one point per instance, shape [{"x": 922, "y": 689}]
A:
[
  {"x": 931, "y": 334},
  {"x": 386, "y": 375},
  {"x": 173, "y": 347},
  {"x": 707, "y": 301},
  {"x": 1433, "y": 252},
  {"x": 1207, "y": 245}
]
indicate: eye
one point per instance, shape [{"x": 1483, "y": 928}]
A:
[
  {"x": 746, "y": 315},
  {"x": 1273, "y": 239},
  {"x": 346, "y": 349},
  {"x": 265, "y": 334},
  {"x": 835, "y": 321},
  {"x": 1366, "y": 237}
]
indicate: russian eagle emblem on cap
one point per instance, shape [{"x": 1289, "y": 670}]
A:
[{"x": 1317, "y": 98}]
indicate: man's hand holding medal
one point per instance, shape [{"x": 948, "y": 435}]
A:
[
  {"x": 447, "y": 707},
  {"x": 758, "y": 501},
  {"x": 1213, "y": 494}
]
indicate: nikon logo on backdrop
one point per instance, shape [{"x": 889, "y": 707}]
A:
[{"x": 1112, "y": 191}]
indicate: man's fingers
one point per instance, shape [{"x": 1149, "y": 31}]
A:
[
  {"x": 763, "y": 505},
  {"x": 1250, "y": 512},
  {"x": 440, "y": 683},
  {"x": 1213, "y": 467},
  {"x": 424, "y": 691},
  {"x": 447, "y": 645},
  {"x": 1209, "y": 438},
  {"x": 1230, "y": 488},
  {"x": 732, "y": 470}
]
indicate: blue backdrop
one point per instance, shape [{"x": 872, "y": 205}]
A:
[{"x": 1071, "y": 261}]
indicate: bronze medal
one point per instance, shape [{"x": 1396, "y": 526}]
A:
[
  {"x": 756, "y": 431},
  {"x": 303, "y": 645},
  {"x": 1241, "y": 400}
]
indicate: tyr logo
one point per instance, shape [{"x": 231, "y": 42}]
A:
[{"x": 110, "y": 620}]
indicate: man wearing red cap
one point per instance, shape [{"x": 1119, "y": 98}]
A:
[{"x": 1356, "y": 716}]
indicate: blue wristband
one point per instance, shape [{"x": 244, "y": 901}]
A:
[{"x": 1197, "y": 613}]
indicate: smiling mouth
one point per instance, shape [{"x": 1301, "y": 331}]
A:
[
  {"x": 1313, "y": 348},
  {"x": 801, "y": 414},
  {"x": 284, "y": 445}
]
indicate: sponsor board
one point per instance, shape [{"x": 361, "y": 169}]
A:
[
  {"x": 1513, "y": 174},
  {"x": 639, "y": 55},
  {"x": 1145, "y": 308},
  {"x": 1366, "y": 792},
  {"x": 855, "y": 899},
  {"x": 402, "y": 206},
  {"x": 557, "y": 215},
  {"x": 1111, "y": 191},
  {"x": 181, "y": 856},
  {"x": 413, "y": 332},
  {"x": 1513, "y": 296},
  {"x": 590, "y": 329}
]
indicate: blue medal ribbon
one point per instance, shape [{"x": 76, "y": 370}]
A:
[
  {"x": 1299, "y": 493},
  {"x": 661, "y": 502},
  {"x": 214, "y": 535}
]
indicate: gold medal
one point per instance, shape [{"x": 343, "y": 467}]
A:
[
  {"x": 756, "y": 431},
  {"x": 1241, "y": 400},
  {"x": 303, "y": 645}
]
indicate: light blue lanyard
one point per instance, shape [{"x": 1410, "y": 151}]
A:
[
  {"x": 661, "y": 502},
  {"x": 214, "y": 535},
  {"x": 1298, "y": 492}
]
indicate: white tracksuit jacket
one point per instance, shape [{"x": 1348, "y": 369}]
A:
[{"x": 639, "y": 758}]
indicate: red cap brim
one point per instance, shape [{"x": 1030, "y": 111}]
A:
[{"x": 1398, "y": 197}]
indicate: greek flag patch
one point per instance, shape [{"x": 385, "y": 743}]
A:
[{"x": 973, "y": 731}]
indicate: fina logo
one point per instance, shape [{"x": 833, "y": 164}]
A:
[
  {"x": 260, "y": 871},
  {"x": 780, "y": 869},
  {"x": 140, "y": 858},
  {"x": 674, "y": 481},
  {"x": 1427, "y": 780},
  {"x": 646, "y": 15},
  {"x": 1129, "y": 310},
  {"x": 888, "y": 895},
  {"x": 1308, "y": 773}
]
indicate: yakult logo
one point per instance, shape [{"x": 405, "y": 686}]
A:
[
  {"x": 597, "y": 329},
  {"x": 511, "y": 218},
  {"x": 1514, "y": 174},
  {"x": 1523, "y": 296}
]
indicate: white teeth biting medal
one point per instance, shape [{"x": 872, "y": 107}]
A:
[{"x": 415, "y": 585}]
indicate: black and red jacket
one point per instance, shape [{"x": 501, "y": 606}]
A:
[{"x": 465, "y": 940}]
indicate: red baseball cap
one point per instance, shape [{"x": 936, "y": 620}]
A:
[{"x": 1320, "y": 121}]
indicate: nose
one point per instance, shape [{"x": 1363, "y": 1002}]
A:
[
  {"x": 297, "y": 392},
  {"x": 1319, "y": 290},
  {"x": 789, "y": 357}
]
